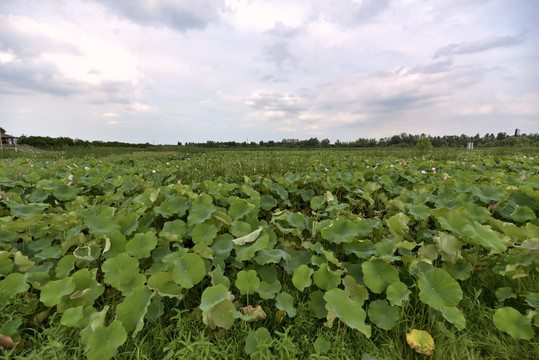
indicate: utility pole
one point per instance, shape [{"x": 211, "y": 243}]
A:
[{"x": 1, "y": 141}]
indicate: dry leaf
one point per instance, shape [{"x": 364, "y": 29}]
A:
[
  {"x": 6, "y": 342},
  {"x": 256, "y": 312}
]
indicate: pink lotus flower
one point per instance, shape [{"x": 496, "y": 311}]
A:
[
  {"x": 69, "y": 183},
  {"x": 445, "y": 177},
  {"x": 179, "y": 181},
  {"x": 494, "y": 206},
  {"x": 423, "y": 172},
  {"x": 523, "y": 176},
  {"x": 153, "y": 171}
]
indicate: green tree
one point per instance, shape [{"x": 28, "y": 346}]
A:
[{"x": 423, "y": 144}]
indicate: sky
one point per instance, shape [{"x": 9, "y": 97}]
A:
[{"x": 168, "y": 71}]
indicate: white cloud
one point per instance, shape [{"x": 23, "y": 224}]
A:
[{"x": 110, "y": 114}]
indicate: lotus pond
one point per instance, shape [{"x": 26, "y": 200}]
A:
[{"x": 248, "y": 250}]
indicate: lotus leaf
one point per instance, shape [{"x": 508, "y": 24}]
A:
[
  {"x": 484, "y": 236},
  {"x": 122, "y": 272},
  {"x": 141, "y": 245},
  {"x": 285, "y": 301},
  {"x": 326, "y": 279},
  {"x": 13, "y": 284},
  {"x": 348, "y": 310},
  {"x": 513, "y": 322},
  {"x": 163, "y": 283},
  {"x": 341, "y": 231},
  {"x": 247, "y": 282},
  {"x": 258, "y": 343},
  {"x": 132, "y": 309},
  {"x": 383, "y": 315},
  {"x": 454, "y": 316},
  {"x": 378, "y": 274},
  {"x": 438, "y": 289},
  {"x": 53, "y": 291},
  {"x": 420, "y": 341},
  {"x": 398, "y": 225},
  {"x": 189, "y": 270},
  {"x": 302, "y": 277},
  {"x": 268, "y": 290},
  {"x": 103, "y": 342},
  {"x": 397, "y": 293}
]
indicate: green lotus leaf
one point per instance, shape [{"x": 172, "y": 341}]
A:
[
  {"x": 258, "y": 342},
  {"x": 454, "y": 220},
  {"x": 419, "y": 212},
  {"x": 204, "y": 233},
  {"x": 239, "y": 228},
  {"x": 132, "y": 310},
  {"x": 174, "y": 230},
  {"x": 513, "y": 322},
  {"x": 383, "y": 315},
  {"x": 239, "y": 208},
  {"x": 302, "y": 277},
  {"x": 163, "y": 283},
  {"x": 25, "y": 210},
  {"x": 461, "y": 270},
  {"x": 326, "y": 279},
  {"x": 53, "y": 291},
  {"x": 317, "y": 202},
  {"x": 123, "y": 273},
  {"x": 397, "y": 292},
  {"x": 199, "y": 214},
  {"x": 174, "y": 205},
  {"x": 398, "y": 225},
  {"x": 522, "y": 214},
  {"x": 72, "y": 316},
  {"x": 363, "y": 249},
  {"x": 247, "y": 282},
  {"x": 6, "y": 265},
  {"x": 116, "y": 243},
  {"x": 222, "y": 315},
  {"x": 356, "y": 292},
  {"x": 222, "y": 246},
  {"x": 504, "y": 293},
  {"x": 289, "y": 222},
  {"x": 267, "y": 202},
  {"x": 438, "y": 289},
  {"x": 449, "y": 247},
  {"x": 102, "y": 224},
  {"x": 348, "y": 310},
  {"x": 39, "y": 195},
  {"x": 13, "y": 284},
  {"x": 218, "y": 277},
  {"x": 103, "y": 342},
  {"x": 476, "y": 212},
  {"x": 484, "y": 236},
  {"x": 64, "y": 266},
  {"x": 285, "y": 301},
  {"x": 189, "y": 270},
  {"x": 268, "y": 290},
  {"x": 87, "y": 289},
  {"x": 341, "y": 231},
  {"x": 454, "y": 316},
  {"x": 487, "y": 193},
  {"x": 64, "y": 192},
  {"x": 266, "y": 272},
  {"x": 212, "y": 296},
  {"x": 272, "y": 256},
  {"x": 386, "y": 248},
  {"x": 128, "y": 223},
  {"x": 141, "y": 245},
  {"x": 378, "y": 274},
  {"x": 247, "y": 252},
  {"x": 532, "y": 299}
]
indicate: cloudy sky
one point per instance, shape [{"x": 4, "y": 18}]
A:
[{"x": 165, "y": 71}]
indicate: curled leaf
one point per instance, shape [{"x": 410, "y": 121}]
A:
[
  {"x": 253, "y": 313},
  {"x": 248, "y": 238}
]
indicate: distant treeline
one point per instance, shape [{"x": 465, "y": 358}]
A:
[
  {"x": 403, "y": 140},
  {"x": 58, "y": 143}
]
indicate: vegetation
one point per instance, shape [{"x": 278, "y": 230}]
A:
[
  {"x": 400, "y": 141},
  {"x": 270, "y": 255}
]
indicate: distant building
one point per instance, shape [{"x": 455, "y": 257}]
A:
[
  {"x": 517, "y": 132},
  {"x": 470, "y": 146},
  {"x": 12, "y": 140}
]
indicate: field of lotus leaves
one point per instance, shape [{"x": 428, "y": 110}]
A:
[{"x": 108, "y": 247}]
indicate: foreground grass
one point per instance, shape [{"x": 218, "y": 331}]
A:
[{"x": 183, "y": 335}]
